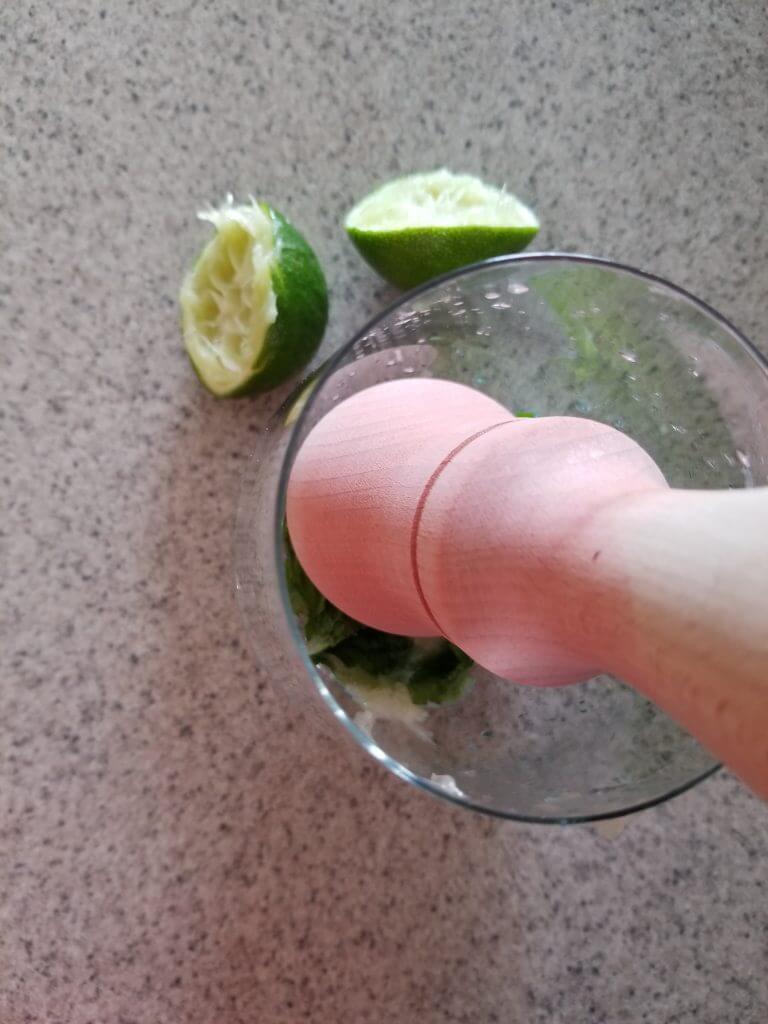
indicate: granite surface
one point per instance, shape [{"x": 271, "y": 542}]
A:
[{"x": 173, "y": 846}]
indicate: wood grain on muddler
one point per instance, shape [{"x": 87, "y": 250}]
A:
[
  {"x": 548, "y": 549},
  {"x": 355, "y": 487}
]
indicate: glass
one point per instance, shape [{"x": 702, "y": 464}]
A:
[{"x": 543, "y": 334}]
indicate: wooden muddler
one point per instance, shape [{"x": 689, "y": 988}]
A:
[{"x": 548, "y": 549}]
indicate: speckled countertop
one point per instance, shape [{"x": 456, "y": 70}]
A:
[{"x": 172, "y": 847}]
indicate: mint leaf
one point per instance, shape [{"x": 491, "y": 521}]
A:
[
  {"x": 381, "y": 656},
  {"x": 440, "y": 676},
  {"x": 432, "y": 671}
]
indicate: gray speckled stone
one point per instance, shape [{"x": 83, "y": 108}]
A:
[{"x": 172, "y": 846}]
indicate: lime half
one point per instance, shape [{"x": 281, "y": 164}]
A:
[
  {"x": 255, "y": 305},
  {"x": 417, "y": 227}
]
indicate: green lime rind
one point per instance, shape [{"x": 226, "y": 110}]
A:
[
  {"x": 302, "y": 309},
  {"x": 408, "y": 257},
  {"x": 279, "y": 329}
]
